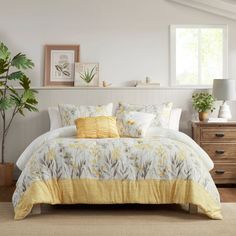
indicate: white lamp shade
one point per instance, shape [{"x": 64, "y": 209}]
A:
[{"x": 224, "y": 89}]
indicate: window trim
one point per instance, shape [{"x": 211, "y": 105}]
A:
[{"x": 172, "y": 81}]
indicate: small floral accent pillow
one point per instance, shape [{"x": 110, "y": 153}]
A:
[
  {"x": 135, "y": 124},
  {"x": 162, "y": 112},
  {"x": 69, "y": 113}
]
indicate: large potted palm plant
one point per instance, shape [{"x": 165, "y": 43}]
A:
[{"x": 13, "y": 101}]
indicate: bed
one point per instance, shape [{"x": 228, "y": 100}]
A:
[{"x": 164, "y": 167}]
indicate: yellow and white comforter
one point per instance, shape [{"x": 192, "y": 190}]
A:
[{"x": 166, "y": 168}]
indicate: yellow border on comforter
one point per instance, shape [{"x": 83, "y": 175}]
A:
[{"x": 90, "y": 191}]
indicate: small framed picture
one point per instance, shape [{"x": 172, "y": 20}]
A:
[
  {"x": 86, "y": 74},
  {"x": 60, "y": 64}
]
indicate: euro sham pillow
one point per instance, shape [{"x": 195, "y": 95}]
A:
[
  {"x": 97, "y": 127},
  {"x": 54, "y": 117},
  {"x": 175, "y": 116},
  {"x": 135, "y": 124},
  {"x": 69, "y": 113},
  {"x": 162, "y": 113}
]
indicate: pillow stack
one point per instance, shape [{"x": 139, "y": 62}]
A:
[
  {"x": 130, "y": 121},
  {"x": 149, "y": 116},
  {"x": 90, "y": 121}
]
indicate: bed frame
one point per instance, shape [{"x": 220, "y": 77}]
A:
[
  {"x": 37, "y": 209},
  {"x": 192, "y": 208}
]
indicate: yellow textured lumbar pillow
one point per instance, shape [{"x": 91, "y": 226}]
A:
[{"x": 97, "y": 127}]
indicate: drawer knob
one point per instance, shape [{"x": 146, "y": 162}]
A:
[
  {"x": 220, "y": 151},
  {"x": 219, "y": 135},
  {"x": 220, "y": 172}
]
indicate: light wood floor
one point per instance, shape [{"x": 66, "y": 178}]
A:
[
  {"x": 139, "y": 221},
  {"x": 227, "y": 194}
]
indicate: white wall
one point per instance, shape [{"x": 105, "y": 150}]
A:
[{"x": 129, "y": 38}]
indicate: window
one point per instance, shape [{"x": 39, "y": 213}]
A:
[{"x": 198, "y": 54}]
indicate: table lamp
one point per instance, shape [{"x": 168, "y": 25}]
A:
[{"x": 224, "y": 90}]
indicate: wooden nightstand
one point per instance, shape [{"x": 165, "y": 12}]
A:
[{"x": 219, "y": 141}]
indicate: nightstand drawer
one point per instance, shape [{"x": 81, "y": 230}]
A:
[
  {"x": 222, "y": 152},
  {"x": 218, "y": 135},
  {"x": 224, "y": 173}
]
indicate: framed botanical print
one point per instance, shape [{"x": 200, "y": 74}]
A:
[
  {"x": 86, "y": 74},
  {"x": 60, "y": 64}
]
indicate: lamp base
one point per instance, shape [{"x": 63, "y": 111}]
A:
[{"x": 224, "y": 111}]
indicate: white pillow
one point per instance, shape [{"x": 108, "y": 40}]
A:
[
  {"x": 175, "y": 118},
  {"x": 134, "y": 124},
  {"x": 69, "y": 113}
]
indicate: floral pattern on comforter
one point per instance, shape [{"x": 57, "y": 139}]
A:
[{"x": 114, "y": 159}]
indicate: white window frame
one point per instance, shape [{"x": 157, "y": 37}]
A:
[{"x": 173, "y": 28}]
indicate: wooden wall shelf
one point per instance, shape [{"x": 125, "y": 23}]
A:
[{"x": 116, "y": 88}]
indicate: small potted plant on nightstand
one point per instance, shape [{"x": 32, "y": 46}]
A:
[
  {"x": 203, "y": 103},
  {"x": 12, "y": 101}
]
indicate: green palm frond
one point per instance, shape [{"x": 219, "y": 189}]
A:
[{"x": 12, "y": 100}]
